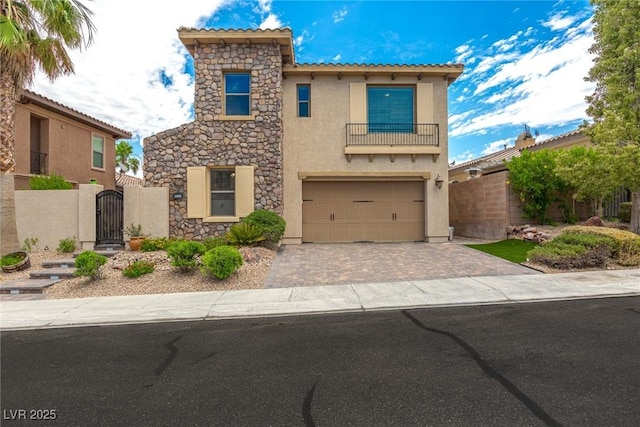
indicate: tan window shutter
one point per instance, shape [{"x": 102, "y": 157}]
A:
[
  {"x": 197, "y": 192},
  {"x": 244, "y": 191},
  {"x": 424, "y": 113},
  {"x": 358, "y": 107}
]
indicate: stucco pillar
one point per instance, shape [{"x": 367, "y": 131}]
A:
[{"x": 87, "y": 215}]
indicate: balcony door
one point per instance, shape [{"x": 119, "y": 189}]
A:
[{"x": 390, "y": 109}]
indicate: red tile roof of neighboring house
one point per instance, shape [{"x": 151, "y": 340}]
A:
[
  {"x": 123, "y": 179},
  {"x": 42, "y": 101}
]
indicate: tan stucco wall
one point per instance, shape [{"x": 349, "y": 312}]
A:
[
  {"x": 317, "y": 144},
  {"x": 68, "y": 147},
  {"x": 48, "y": 215},
  {"x": 149, "y": 207}
]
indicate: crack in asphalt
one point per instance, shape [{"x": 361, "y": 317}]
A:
[
  {"x": 173, "y": 351},
  {"x": 490, "y": 371},
  {"x": 633, "y": 310},
  {"x": 306, "y": 407}
]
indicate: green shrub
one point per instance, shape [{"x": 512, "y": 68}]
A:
[
  {"x": 624, "y": 214},
  {"x": 221, "y": 262},
  {"x": 271, "y": 223},
  {"x": 67, "y": 245},
  {"x": 627, "y": 244},
  {"x": 567, "y": 256},
  {"x": 138, "y": 268},
  {"x": 29, "y": 243},
  {"x": 49, "y": 182},
  {"x": 155, "y": 244},
  {"x": 214, "y": 242},
  {"x": 11, "y": 259},
  {"x": 244, "y": 234},
  {"x": 183, "y": 254},
  {"x": 88, "y": 264}
]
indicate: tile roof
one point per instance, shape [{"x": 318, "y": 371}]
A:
[
  {"x": 489, "y": 159},
  {"x": 123, "y": 179}
]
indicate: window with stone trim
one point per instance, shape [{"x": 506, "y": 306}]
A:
[
  {"x": 220, "y": 193},
  {"x": 237, "y": 94}
]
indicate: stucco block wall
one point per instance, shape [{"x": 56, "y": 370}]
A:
[
  {"x": 317, "y": 144},
  {"x": 48, "y": 215},
  {"x": 216, "y": 140},
  {"x": 149, "y": 207},
  {"x": 481, "y": 207}
]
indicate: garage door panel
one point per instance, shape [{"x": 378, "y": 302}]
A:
[{"x": 362, "y": 211}]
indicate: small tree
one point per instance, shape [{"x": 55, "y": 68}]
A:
[
  {"x": 615, "y": 103},
  {"x": 534, "y": 179},
  {"x": 588, "y": 172}
]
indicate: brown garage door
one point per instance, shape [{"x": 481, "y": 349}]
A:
[{"x": 362, "y": 211}]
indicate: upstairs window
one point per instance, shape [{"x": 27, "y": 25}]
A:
[
  {"x": 237, "y": 94},
  {"x": 98, "y": 152},
  {"x": 304, "y": 101},
  {"x": 390, "y": 109}
]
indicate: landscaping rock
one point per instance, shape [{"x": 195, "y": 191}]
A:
[{"x": 594, "y": 221}]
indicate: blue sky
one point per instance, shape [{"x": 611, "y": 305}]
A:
[{"x": 525, "y": 61}]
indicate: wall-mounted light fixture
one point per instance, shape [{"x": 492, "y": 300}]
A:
[{"x": 439, "y": 181}]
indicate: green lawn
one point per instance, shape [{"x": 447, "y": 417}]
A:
[{"x": 511, "y": 249}]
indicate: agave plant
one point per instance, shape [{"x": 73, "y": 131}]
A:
[{"x": 244, "y": 234}]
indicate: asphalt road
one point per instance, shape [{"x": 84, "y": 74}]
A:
[{"x": 563, "y": 363}]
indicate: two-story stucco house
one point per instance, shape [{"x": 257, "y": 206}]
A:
[
  {"x": 345, "y": 153},
  {"x": 53, "y": 138}
]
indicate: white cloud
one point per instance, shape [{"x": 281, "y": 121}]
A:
[
  {"x": 271, "y": 22},
  {"x": 118, "y": 78},
  {"x": 542, "y": 87},
  {"x": 463, "y": 157},
  {"x": 559, "y": 22},
  {"x": 496, "y": 146},
  {"x": 339, "y": 15},
  {"x": 336, "y": 58}
]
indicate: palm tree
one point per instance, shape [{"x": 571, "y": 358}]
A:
[
  {"x": 125, "y": 159},
  {"x": 34, "y": 34}
]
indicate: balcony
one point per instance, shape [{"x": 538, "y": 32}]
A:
[
  {"x": 38, "y": 163},
  {"x": 392, "y": 139}
]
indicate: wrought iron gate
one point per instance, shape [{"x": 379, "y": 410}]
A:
[{"x": 109, "y": 221}]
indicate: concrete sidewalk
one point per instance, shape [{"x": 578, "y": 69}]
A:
[{"x": 317, "y": 299}]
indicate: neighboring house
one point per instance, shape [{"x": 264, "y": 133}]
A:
[
  {"x": 123, "y": 179},
  {"x": 53, "y": 138},
  {"x": 495, "y": 162},
  {"x": 482, "y": 204},
  {"x": 344, "y": 152}
]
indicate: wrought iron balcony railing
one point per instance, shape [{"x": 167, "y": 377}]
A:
[
  {"x": 38, "y": 163},
  {"x": 393, "y": 134}
]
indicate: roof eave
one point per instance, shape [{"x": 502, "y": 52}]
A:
[{"x": 29, "y": 97}]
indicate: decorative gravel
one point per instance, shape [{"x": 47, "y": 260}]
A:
[{"x": 165, "y": 279}]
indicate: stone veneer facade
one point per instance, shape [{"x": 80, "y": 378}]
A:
[{"x": 211, "y": 142}]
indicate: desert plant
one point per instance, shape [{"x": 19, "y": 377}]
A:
[
  {"x": 11, "y": 259},
  {"x": 624, "y": 214},
  {"x": 183, "y": 254},
  {"x": 244, "y": 234},
  {"x": 221, "y": 262},
  {"x": 272, "y": 224},
  {"x": 138, "y": 268},
  {"x": 155, "y": 244},
  {"x": 67, "y": 245},
  {"x": 29, "y": 243},
  {"x": 214, "y": 242},
  {"x": 88, "y": 264},
  {"x": 49, "y": 182},
  {"x": 133, "y": 230}
]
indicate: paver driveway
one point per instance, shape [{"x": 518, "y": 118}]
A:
[{"x": 343, "y": 263}]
